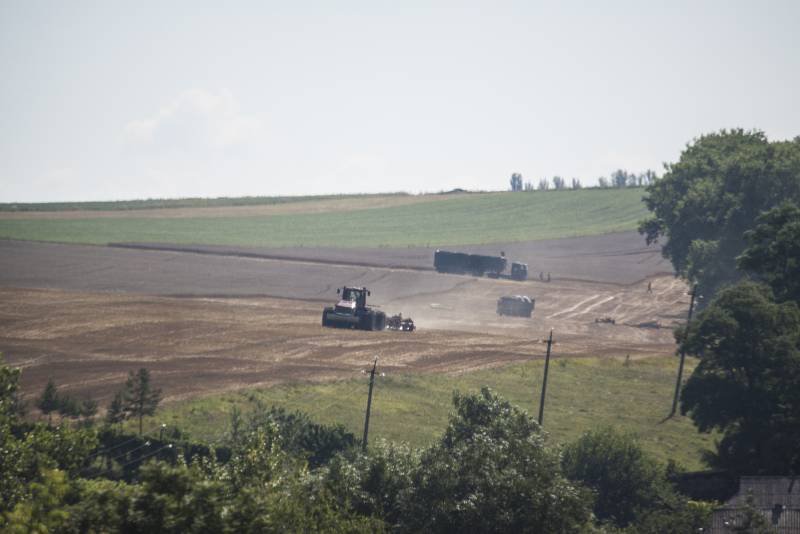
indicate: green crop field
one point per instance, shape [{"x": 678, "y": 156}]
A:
[
  {"x": 582, "y": 394},
  {"x": 164, "y": 203},
  {"x": 447, "y": 220}
]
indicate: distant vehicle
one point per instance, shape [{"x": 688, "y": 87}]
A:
[
  {"x": 397, "y": 322},
  {"x": 478, "y": 265},
  {"x": 519, "y": 271},
  {"x": 516, "y": 305},
  {"x": 352, "y": 312}
]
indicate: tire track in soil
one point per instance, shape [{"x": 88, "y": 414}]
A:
[{"x": 233, "y": 326}]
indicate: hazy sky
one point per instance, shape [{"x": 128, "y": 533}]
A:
[{"x": 115, "y": 100}]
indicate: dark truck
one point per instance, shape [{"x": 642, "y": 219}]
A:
[
  {"x": 517, "y": 305},
  {"x": 478, "y": 265}
]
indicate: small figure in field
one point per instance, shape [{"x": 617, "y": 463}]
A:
[
  {"x": 649, "y": 287},
  {"x": 548, "y": 277},
  {"x": 541, "y": 276}
]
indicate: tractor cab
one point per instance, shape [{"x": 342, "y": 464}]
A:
[
  {"x": 352, "y": 299},
  {"x": 519, "y": 271},
  {"x": 351, "y": 311}
]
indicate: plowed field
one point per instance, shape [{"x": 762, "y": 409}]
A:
[{"x": 204, "y": 324}]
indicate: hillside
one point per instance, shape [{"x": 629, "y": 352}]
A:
[
  {"x": 583, "y": 394},
  {"x": 400, "y": 221}
]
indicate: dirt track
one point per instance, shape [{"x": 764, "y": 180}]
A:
[{"x": 105, "y": 312}]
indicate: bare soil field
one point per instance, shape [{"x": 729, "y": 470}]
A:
[
  {"x": 209, "y": 323},
  {"x": 621, "y": 257}
]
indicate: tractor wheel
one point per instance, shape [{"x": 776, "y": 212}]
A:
[
  {"x": 325, "y": 318},
  {"x": 379, "y": 322}
]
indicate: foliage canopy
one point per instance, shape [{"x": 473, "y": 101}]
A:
[
  {"x": 613, "y": 465},
  {"x": 139, "y": 397},
  {"x": 773, "y": 254},
  {"x": 706, "y": 201},
  {"x": 746, "y": 383}
]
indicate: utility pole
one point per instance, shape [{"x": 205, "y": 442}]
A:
[
  {"x": 544, "y": 380},
  {"x": 369, "y": 406},
  {"x": 683, "y": 357}
]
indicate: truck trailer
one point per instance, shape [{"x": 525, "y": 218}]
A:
[{"x": 478, "y": 265}]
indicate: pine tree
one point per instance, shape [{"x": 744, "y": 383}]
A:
[
  {"x": 88, "y": 408},
  {"x": 116, "y": 410},
  {"x": 68, "y": 407},
  {"x": 140, "y": 398},
  {"x": 48, "y": 402}
]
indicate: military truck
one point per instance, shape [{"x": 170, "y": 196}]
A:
[
  {"x": 516, "y": 305},
  {"x": 352, "y": 312},
  {"x": 519, "y": 271},
  {"x": 445, "y": 261},
  {"x": 462, "y": 263}
]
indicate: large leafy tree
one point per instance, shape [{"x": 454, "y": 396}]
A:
[
  {"x": 746, "y": 384},
  {"x": 374, "y": 484},
  {"x": 632, "y": 489},
  {"x": 491, "y": 471},
  {"x": 773, "y": 254},
  {"x": 299, "y": 435},
  {"x": 612, "y": 464},
  {"x": 705, "y": 202},
  {"x": 11, "y": 481},
  {"x": 33, "y": 458}
]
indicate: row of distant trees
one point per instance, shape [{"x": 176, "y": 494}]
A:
[
  {"x": 137, "y": 399},
  {"x": 619, "y": 178}
]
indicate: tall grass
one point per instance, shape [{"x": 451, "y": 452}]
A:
[{"x": 582, "y": 394}]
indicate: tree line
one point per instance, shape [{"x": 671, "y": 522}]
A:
[
  {"x": 492, "y": 469},
  {"x": 136, "y": 400},
  {"x": 620, "y": 178}
]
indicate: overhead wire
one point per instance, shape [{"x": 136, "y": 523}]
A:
[
  {"x": 109, "y": 449},
  {"x": 142, "y": 446},
  {"x": 146, "y": 456}
]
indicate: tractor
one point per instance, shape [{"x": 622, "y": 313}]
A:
[{"x": 352, "y": 312}]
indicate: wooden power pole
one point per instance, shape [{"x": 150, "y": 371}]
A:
[
  {"x": 683, "y": 358},
  {"x": 544, "y": 380},
  {"x": 369, "y": 405}
]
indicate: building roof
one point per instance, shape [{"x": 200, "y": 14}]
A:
[
  {"x": 768, "y": 491},
  {"x": 776, "y": 498}
]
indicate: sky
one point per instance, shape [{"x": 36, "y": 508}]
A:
[{"x": 120, "y": 100}]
